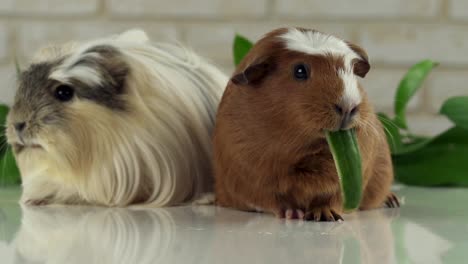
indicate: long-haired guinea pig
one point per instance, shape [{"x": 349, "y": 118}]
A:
[
  {"x": 270, "y": 150},
  {"x": 115, "y": 121}
]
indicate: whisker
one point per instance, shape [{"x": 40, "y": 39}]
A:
[
  {"x": 374, "y": 128},
  {"x": 3, "y": 145},
  {"x": 388, "y": 122},
  {"x": 390, "y": 136}
]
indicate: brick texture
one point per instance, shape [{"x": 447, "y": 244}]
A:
[
  {"x": 49, "y": 7},
  {"x": 395, "y": 33},
  {"x": 428, "y": 125},
  {"x": 4, "y": 42},
  {"x": 406, "y": 44},
  {"x": 8, "y": 77},
  {"x": 182, "y": 8},
  {"x": 215, "y": 41},
  {"x": 358, "y": 8},
  {"x": 459, "y": 9},
  {"x": 445, "y": 84},
  {"x": 380, "y": 85},
  {"x": 32, "y": 35}
]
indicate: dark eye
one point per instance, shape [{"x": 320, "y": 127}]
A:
[
  {"x": 64, "y": 93},
  {"x": 301, "y": 72}
]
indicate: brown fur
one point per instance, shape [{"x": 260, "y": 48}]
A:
[{"x": 270, "y": 151}]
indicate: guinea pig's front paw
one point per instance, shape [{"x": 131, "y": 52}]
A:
[
  {"x": 392, "y": 201},
  {"x": 290, "y": 213},
  {"x": 322, "y": 214},
  {"x": 36, "y": 202}
]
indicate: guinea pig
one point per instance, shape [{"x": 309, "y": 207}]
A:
[
  {"x": 115, "y": 121},
  {"x": 270, "y": 150}
]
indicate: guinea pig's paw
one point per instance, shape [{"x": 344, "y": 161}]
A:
[
  {"x": 324, "y": 214},
  {"x": 205, "y": 199},
  {"x": 392, "y": 201},
  {"x": 290, "y": 213},
  {"x": 36, "y": 202}
]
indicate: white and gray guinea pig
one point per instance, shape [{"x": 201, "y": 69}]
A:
[{"x": 115, "y": 121}]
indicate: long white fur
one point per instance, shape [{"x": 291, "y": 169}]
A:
[
  {"x": 165, "y": 144},
  {"x": 318, "y": 43}
]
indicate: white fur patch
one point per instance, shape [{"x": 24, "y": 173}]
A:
[
  {"x": 351, "y": 96},
  {"x": 205, "y": 199},
  {"x": 318, "y": 43},
  {"x": 85, "y": 74}
]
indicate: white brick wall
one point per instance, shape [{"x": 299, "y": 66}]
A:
[
  {"x": 32, "y": 35},
  {"x": 358, "y": 8},
  {"x": 49, "y": 7},
  {"x": 380, "y": 85},
  {"x": 407, "y": 43},
  {"x": 459, "y": 9},
  {"x": 4, "y": 42},
  {"x": 184, "y": 8},
  {"x": 215, "y": 40},
  {"x": 444, "y": 84},
  {"x": 8, "y": 79},
  {"x": 429, "y": 125},
  {"x": 396, "y": 34}
]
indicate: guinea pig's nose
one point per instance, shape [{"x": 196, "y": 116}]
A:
[
  {"x": 351, "y": 111},
  {"x": 19, "y": 127},
  {"x": 347, "y": 113}
]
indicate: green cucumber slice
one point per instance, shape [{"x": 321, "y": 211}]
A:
[{"x": 345, "y": 150}]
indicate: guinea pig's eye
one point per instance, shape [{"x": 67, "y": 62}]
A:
[
  {"x": 64, "y": 93},
  {"x": 301, "y": 72}
]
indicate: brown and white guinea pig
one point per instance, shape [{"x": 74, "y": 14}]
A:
[
  {"x": 270, "y": 150},
  {"x": 115, "y": 121}
]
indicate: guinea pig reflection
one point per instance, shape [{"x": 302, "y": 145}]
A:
[
  {"x": 96, "y": 235},
  {"x": 202, "y": 235},
  {"x": 366, "y": 236}
]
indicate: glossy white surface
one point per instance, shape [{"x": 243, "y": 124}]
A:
[{"x": 432, "y": 227}]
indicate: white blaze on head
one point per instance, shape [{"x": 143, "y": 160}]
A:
[{"x": 318, "y": 43}]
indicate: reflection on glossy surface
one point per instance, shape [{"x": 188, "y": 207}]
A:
[{"x": 429, "y": 228}]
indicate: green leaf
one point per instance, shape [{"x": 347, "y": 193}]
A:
[
  {"x": 441, "y": 162},
  {"x": 240, "y": 48},
  {"x": 3, "y": 113},
  {"x": 408, "y": 86},
  {"x": 9, "y": 173},
  {"x": 3, "y": 144},
  {"x": 456, "y": 109},
  {"x": 412, "y": 146},
  {"x": 398, "y": 143}
]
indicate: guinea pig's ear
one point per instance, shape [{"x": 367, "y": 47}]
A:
[
  {"x": 361, "y": 66},
  {"x": 254, "y": 73},
  {"x": 134, "y": 35}
]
